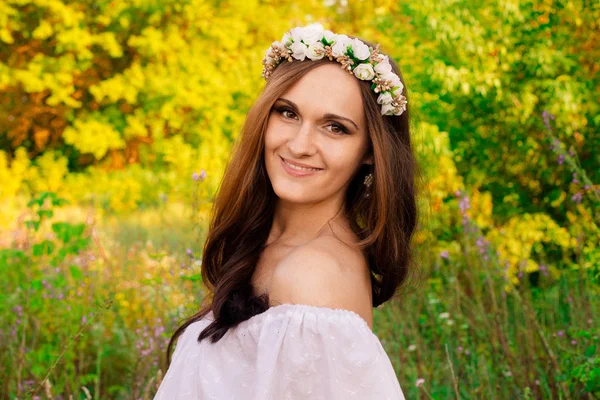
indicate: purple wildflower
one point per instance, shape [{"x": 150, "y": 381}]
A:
[
  {"x": 195, "y": 176},
  {"x": 464, "y": 204},
  {"x": 561, "y": 159},
  {"x": 560, "y": 333},
  {"x": 444, "y": 254},
  {"x": 577, "y": 197},
  {"x": 575, "y": 177},
  {"x": 546, "y": 120}
]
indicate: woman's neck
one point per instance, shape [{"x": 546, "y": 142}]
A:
[{"x": 296, "y": 224}]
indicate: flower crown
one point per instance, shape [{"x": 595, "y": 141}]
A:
[{"x": 356, "y": 57}]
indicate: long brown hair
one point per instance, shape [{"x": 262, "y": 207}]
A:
[{"x": 244, "y": 207}]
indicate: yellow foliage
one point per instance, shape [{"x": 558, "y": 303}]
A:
[
  {"x": 12, "y": 176},
  {"x": 515, "y": 241},
  {"x": 92, "y": 136}
]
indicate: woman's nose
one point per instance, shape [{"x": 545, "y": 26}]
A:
[{"x": 302, "y": 142}]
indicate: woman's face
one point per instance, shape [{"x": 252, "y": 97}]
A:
[{"x": 318, "y": 123}]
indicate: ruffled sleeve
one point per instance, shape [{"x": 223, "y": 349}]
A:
[{"x": 289, "y": 352}]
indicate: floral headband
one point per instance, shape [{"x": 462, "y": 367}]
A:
[{"x": 356, "y": 57}]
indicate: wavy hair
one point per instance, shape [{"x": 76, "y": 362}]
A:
[{"x": 243, "y": 208}]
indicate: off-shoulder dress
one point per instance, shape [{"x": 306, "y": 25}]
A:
[{"x": 289, "y": 352}]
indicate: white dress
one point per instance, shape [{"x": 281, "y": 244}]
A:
[{"x": 289, "y": 352}]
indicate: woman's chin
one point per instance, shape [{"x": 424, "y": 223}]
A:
[{"x": 293, "y": 195}]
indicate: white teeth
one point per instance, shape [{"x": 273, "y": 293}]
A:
[{"x": 300, "y": 168}]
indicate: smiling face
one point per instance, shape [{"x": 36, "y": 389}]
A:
[{"x": 318, "y": 123}]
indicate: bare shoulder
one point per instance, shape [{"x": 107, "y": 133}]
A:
[{"x": 324, "y": 273}]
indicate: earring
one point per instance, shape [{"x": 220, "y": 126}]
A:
[{"x": 367, "y": 182}]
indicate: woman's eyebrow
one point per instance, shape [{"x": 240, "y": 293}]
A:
[{"x": 328, "y": 115}]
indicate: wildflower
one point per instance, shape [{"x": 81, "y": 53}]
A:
[
  {"x": 420, "y": 381},
  {"x": 189, "y": 252},
  {"x": 561, "y": 159},
  {"x": 195, "y": 176},
  {"x": 575, "y": 177},
  {"x": 577, "y": 197},
  {"x": 560, "y": 333},
  {"x": 481, "y": 243},
  {"x": 412, "y": 347},
  {"x": 444, "y": 315},
  {"x": 464, "y": 204},
  {"x": 444, "y": 254},
  {"x": 460, "y": 348},
  {"x": 573, "y": 342}
]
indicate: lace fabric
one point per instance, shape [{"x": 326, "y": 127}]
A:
[{"x": 289, "y": 352}]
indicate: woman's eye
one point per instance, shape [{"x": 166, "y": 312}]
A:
[
  {"x": 287, "y": 113},
  {"x": 338, "y": 129}
]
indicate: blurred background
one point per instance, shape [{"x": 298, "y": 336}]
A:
[{"x": 116, "y": 122}]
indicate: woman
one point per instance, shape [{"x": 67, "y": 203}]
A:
[{"x": 311, "y": 229}]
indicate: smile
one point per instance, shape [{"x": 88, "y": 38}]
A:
[{"x": 296, "y": 170}]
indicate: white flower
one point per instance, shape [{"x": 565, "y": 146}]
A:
[
  {"x": 387, "y": 109},
  {"x": 269, "y": 54},
  {"x": 412, "y": 347},
  {"x": 340, "y": 46},
  {"x": 308, "y": 34},
  {"x": 296, "y": 34},
  {"x": 360, "y": 50},
  {"x": 315, "y": 51},
  {"x": 329, "y": 36},
  {"x": 364, "y": 71},
  {"x": 284, "y": 41},
  {"x": 299, "y": 50},
  {"x": 383, "y": 68},
  {"x": 444, "y": 315},
  {"x": 381, "y": 58},
  {"x": 390, "y": 76},
  {"x": 385, "y": 98},
  {"x": 400, "y": 87}
]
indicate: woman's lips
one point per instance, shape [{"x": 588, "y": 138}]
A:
[{"x": 296, "y": 172}]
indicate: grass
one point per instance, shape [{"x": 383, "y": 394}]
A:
[{"x": 91, "y": 317}]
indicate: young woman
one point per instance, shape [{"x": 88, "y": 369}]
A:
[{"x": 311, "y": 229}]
